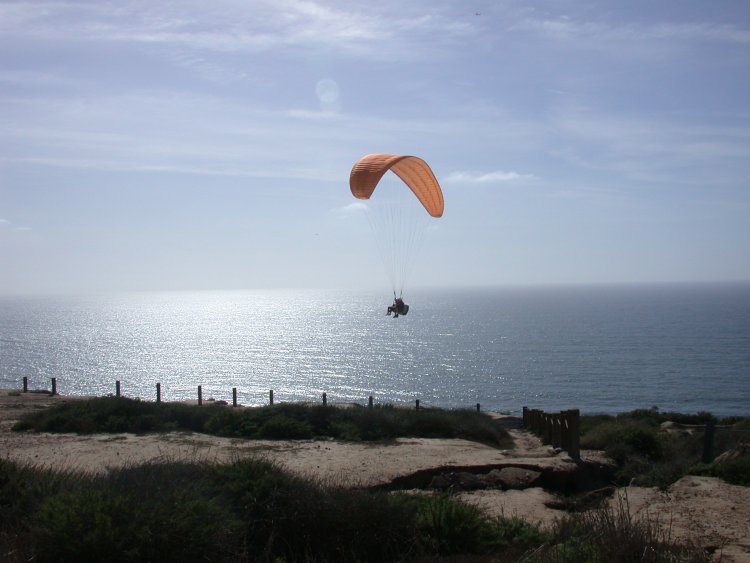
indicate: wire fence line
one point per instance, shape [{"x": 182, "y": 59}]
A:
[{"x": 271, "y": 397}]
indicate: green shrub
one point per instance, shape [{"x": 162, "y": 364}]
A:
[
  {"x": 448, "y": 527},
  {"x": 651, "y": 417},
  {"x": 735, "y": 471},
  {"x": 345, "y": 430},
  {"x": 648, "y": 455},
  {"x": 289, "y": 517},
  {"x": 109, "y": 525},
  {"x": 613, "y": 535},
  {"x": 23, "y": 489},
  {"x": 284, "y": 427},
  {"x": 621, "y": 439},
  {"x": 738, "y": 422},
  {"x": 516, "y": 534},
  {"x": 644, "y": 454},
  {"x": 445, "y": 527},
  {"x": 654, "y": 418},
  {"x": 89, "y": 525},
  {"x": 251, "y": 510},
  {"x": 283, "y": 421}
]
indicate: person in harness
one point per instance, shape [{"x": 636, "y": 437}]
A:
[{"x": 398, "y": 308}]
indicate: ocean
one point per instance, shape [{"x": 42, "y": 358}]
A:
[{"x": 601, "y": 349}]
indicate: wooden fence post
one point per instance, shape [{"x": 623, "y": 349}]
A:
[
  {"x": 574, "y": 448},
  {"x": 550, "y": 427},
  {"x": 158, "y": 392},
  {"x": 708, "y": 442},
  {"x": 547, "y": 429},
  {"x": 417, "y": 404},
  {"x": 565, "y": 430},
  {"x": 200, "y": 395},
  {"x": 478, "y": 407},
  {"x": 325, "y": 399},
  {"x": 270, "y": 397},
  {"x": 561, "y": 430},
  {"x": 54, "y": 386},
  {"x": 556, "y": 430},
  {"x": 234, "y": 396},
  {"x": 551, "y": 431},
  {"x": 369, "y": 402},
  {"x": 117, "y": 388},
  {"x": 25, "y": 384}
]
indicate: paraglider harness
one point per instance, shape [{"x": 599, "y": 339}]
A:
[{"x": 398, "y": 307}]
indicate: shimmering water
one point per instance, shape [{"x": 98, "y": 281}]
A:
[{"x": 600, "y": 349}]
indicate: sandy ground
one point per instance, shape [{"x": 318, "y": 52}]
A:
[{"x": 706, "y": 510}]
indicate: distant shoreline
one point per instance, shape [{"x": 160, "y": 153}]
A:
[{"x": 415, "y": 290}]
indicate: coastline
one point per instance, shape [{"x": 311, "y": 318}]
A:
[{"x": 702, "y": 509}]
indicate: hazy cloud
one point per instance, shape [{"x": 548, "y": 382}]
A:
[
  {"x": 7, "y": 224},
  {"x": 567, "y": 28},
  {"x": 352, "y": 208},
  {"x": 224, "y": 26},
  {"x": 486, "y": 177}
]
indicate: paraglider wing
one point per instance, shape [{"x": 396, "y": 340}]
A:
[{"x": 415, "y": 173}]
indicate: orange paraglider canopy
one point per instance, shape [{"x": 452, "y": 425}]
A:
[{"x": 368, "y": 170}]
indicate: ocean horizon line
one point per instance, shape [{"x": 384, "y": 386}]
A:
[{"x": 385, "y": 289}]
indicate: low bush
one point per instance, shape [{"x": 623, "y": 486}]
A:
[
  {"x": 649, "y": 455},
  {"x": 632, "y": 444},
  {"x": 446, "y": 527},
  {"x": 282, "y": 426},
  {"x": 735, "y": 471},
  {"x": 283, "y": 421},
  {"x": 249, "y": 510},
  {"x": 611, "y": 534},
  {"x": 116, "y": 414},
  {"x": 623, "y": 438}
]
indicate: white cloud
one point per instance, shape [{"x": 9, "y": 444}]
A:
[
  {"x": 35, "y": 78},
  {"x": 639, "y": 144},
  {"x": 311, "y": 114},
  {"x": 351, "y": 209},
  {"x": 723, "y": 33},
  {"x": 226, "y": 26},
  {"x": 567, "y": 28},
  {"x": 197, "y": 134},
  {"x": 9, "y": 225},
  {"x": 486, "y": 177}
]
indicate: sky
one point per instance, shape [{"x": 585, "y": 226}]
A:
[{"x": 165, "y": 145}]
